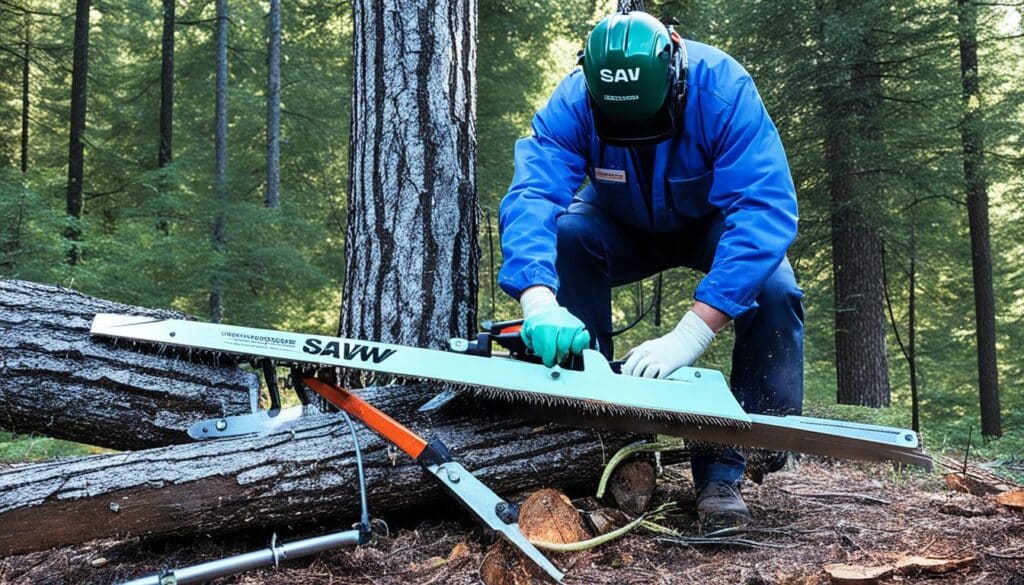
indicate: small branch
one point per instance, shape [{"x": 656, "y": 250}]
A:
[
  {"x": 194, "y": 22},
  {"x": 701, "y": 540},
  {"x": 852, "y": 496},
  {"x": 604, "y": 538},
  {"x": 1013, "y": 553}
]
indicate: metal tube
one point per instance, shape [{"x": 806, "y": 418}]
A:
[
  {"x": 364, "y": 510},
  {"x": 270, "y": 556}
]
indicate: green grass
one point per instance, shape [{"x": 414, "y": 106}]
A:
[{"x": 25, "y": 448}]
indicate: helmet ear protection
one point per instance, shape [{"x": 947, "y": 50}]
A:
[{"x": 677, "y": 72}]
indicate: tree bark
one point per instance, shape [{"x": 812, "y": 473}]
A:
[
  {"x": 273, "y": 196},
  {"x": 973, "y": 140},
  {"x": 79, "y": 76},
  {"x": 220, "y": 161},
  {"x": 167, "y": 86},
  {"x": 862, "y": 373},
  {"x": 60, "y": 381},
  {"x": 165, "y": 151},
  {"x": 411, "y": 242},
  {"x": 915, "y": 398},
  {"x": 303, "y": 476},
  {"x": 25, "y": 77}
]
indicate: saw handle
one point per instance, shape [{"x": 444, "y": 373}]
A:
[{"x": 409, "y": 442}]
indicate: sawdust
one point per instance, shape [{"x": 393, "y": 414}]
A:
[{"x": 822, "y": 529}]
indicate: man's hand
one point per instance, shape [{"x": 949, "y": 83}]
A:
[
  {"x": 680, "y": 347},
  {"x": 550, "y": 330}
]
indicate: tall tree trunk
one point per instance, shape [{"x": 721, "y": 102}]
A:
[
  {"x": 79, "y": 76},
  {"x": 25, "y": 76},
  {"x": 915, "y": 398},
  {"x": 165, "y": 153},
  {"x": 273, "y": 195},
  {"x": 166, "y": 86},
  {"x": 862, "y": 373},
  {"x": 411, "y": 243},
  {"x": 973, "y": 141},
  {"x": 220, "y": 162}
]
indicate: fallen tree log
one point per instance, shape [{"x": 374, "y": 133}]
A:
[
  {"x": 290, "y": 478},
  {"x": 61, "y": 382}
]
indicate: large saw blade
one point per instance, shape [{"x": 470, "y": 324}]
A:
[
  {"x": 813, "y": 436},
  {"x": 699, "y": 396}
]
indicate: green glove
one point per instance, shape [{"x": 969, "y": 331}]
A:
[{"x": 550, "y": 330}]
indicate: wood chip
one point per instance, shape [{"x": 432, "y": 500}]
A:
[
  {"x": 856, "y": 574},
  {"x": 458, "y": 551},
  {"x": 970, "y": 484},
  {"x": 1012, "y": 499},
  {"x": 932, "y": 565},
  {"x": 605, "y": 520},
  {"x": 850, "y": 574}
]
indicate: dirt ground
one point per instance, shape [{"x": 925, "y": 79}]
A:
[{"x": 816, "y": 514}]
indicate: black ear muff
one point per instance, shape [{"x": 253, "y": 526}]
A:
[{"x": 678, "y": 71}]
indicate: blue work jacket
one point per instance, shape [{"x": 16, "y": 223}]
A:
[{"x": 726, "y": 157}]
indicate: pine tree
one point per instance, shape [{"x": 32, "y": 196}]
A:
[{"x": 411, "y": 251}]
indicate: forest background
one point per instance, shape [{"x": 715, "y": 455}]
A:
[{"x": 886, "y": 131}]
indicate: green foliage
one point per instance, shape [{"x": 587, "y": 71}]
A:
[{"x": 281, "y": 268}]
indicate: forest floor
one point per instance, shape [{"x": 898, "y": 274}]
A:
[{"x": 818, "y": 513}]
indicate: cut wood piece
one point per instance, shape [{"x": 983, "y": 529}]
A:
[
  {"x": 980, "y": 480},
  {"x": 502, "y": 566},
  {"x": 604, "y": 520},
  {"x": 60, "y": 381},
  {"x": 632, "y": 485},
  {"x": 853, "y": 574},
  {"x": 1012, "y": 499},
  {"x": 968, "y": 484},
  {"x": 547, "y": 515},
  {"x": 931, "y": 565},
  {"x": 305, "y": 475},
  {"x": 847, "y": 574}
]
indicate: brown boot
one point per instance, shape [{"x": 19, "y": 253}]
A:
[{"x": 719, "y": 505}]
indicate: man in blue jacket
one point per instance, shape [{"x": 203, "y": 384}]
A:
[{"x": 684, "y": 168}]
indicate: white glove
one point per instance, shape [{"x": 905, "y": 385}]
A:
[
  {"x": 680, "y": 347},
  {"x": 537, "y": 299}
]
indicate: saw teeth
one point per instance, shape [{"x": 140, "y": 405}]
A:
[{"x": 193, "y": 354}]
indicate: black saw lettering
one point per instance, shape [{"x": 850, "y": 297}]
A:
[
  {"x": 331, "y": 349},
  {"x": 366, "y": 354},
  {"x": 352, "y": 351}
]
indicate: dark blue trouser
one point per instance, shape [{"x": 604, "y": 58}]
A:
[{"x": 596, "y": 253}]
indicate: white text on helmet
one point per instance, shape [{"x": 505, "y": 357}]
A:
[{"x": 620, "y": 75}]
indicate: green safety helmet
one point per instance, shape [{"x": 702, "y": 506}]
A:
[{"x": 635, "y": 69}]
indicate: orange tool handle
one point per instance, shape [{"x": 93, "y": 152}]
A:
[{"x": 392, "y": 430}]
